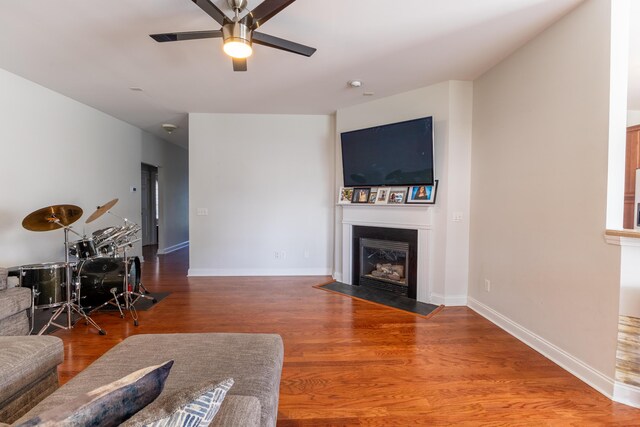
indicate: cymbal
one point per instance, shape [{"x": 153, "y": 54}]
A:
[
  {"x": 52, "y": 217},
  {"x": 101, "y": 211}
]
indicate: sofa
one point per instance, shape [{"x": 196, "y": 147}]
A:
[
  {"x": 254, "y": 361},
  {"x": 28, "y": 364}
]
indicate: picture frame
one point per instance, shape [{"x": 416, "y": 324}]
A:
[
  {"x": 383, "y": 196},
  {"x": 397, "y": 196},
  {"x": 361, "y": 195},
  {"x": 423, "y": 194},
  {"x": 345, "y": 195},
  {"x": 373, "y": 195}
]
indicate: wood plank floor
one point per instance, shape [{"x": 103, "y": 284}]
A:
[{"x": 352, "y": 363}]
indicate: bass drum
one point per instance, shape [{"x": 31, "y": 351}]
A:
[{"x": 99, "y": 275}]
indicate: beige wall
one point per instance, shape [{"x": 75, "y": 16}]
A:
[
  {"x": 539, "y": 191},
  {"x": 267, "y": 183}
]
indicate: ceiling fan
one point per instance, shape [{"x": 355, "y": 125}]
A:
[{"x": 240, "y": 33}]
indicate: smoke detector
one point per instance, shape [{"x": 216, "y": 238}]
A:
[{"x": 169, "y": 127}]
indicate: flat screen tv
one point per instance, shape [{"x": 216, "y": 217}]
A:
[{"x": 389, "y": 155}]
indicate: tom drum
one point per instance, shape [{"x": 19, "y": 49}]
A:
[{"x": 48, "y": 280}]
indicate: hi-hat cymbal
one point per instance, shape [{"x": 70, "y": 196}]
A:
[
  {"x": 101, "y": 211},
  {"x": 52, "y": 217}
]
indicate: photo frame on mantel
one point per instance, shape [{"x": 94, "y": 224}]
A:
[
  {"x": 361, "y": 195},
  {"x": 397, "y": 196},
  {"x": 383, "y": 196},
  {"x": 346, "y": 193},
  {"x": 422, "y": 194}
]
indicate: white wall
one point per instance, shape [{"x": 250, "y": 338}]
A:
[
  {"x": 450, "y": 105},
  {"x": 633, "y": 117},
  {"x": 267, "y": 182},
  {"x": 58, "y": 151},
  {"x": 539, "y": 195},
  {"x": 172, "y": 162}
]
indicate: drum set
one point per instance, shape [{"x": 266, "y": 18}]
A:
[{"x": 101, "y": 273}]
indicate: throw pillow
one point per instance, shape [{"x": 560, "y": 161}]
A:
[
  {"x": 199, "y": 412},
  {"x": 109, "y": 405}
]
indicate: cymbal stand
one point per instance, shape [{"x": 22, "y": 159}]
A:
[{"x": 69, "y": 306}]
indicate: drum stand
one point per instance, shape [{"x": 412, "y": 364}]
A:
[
  {"x": 127, "y": 288},
  {"x": 69, "y": 306}
]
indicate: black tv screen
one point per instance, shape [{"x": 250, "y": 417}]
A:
[{"x": 388, "y": 155}]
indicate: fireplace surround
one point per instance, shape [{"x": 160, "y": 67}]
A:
[{"x": 405, "y": 217}]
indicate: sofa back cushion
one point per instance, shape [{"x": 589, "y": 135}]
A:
[{"x": 3, "y": 278}]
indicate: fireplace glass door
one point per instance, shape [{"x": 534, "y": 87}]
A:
[{"x": 384, "y": 264}]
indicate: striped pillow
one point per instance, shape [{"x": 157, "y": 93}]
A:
[{"x": 199, "y": 412}]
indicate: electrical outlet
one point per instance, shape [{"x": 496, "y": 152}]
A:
[
  {"x": 457, "y": 216},
  {"x": 487, "y": 285},
  {"x": 202, "y": 211},
  {"x": 276, "y": 255}
]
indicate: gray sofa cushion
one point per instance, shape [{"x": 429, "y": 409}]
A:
[
  {"x": 14, "y": 300},
  {"x": 254, "y": 361},
  {"x": 238, "y": 411},
  {"x": 3, "y": 278},
  {"x": 15, "y": 325},
  {"x": 25, "y": 359}
]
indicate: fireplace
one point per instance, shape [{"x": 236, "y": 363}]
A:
[{"x": 385, "y": 259}]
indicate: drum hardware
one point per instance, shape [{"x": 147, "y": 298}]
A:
[
  {"x": 119, "y": 238},
  {"x": 33, "y": 309},
  {"x": 53, "y": 218}
]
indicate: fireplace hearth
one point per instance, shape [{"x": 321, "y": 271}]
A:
[{"x": 385, "y": 259}]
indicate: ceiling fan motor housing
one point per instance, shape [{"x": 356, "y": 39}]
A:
[{"x": 236, "y": 32}]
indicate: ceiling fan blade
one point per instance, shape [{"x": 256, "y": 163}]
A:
[
  {"x": 265, "y": 11},
  {"x": 282, "y": 44},
  {"x": 239, "y": 64},
  {"x": 189, "y": 35},
  {"x": 212, "y": 10}
]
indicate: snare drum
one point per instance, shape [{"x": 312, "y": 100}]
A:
[
  {"x": 83, "y": 249},
  {"x": 99, "y": 275},
  {"x": 48, "y": 280}
]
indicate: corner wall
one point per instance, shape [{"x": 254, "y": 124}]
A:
[
  {"x": 266, "y": 183},
  {"x": 450, "y": 105},
  {"x": 539, "y": 196}
]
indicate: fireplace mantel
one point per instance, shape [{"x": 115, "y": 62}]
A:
[{"x": 408, "y": 217}]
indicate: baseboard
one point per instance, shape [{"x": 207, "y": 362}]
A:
[
  {"x": 449, "y": 301},
  {"x": 575, "y": 366},
  {"x": 213, "y": 272},
  {"x": 173, "y": 248},
  {"x": 627, "y": 394}
]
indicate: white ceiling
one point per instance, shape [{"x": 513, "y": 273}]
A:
[{"x": 94, "y": 51}]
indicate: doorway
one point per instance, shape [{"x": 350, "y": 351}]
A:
[{"x": 149, "y": 204}]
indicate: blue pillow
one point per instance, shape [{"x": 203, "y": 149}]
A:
[{"x": 109, "y": 405}]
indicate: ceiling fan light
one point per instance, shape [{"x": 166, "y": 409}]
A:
[{"x": 238, "y": 48}]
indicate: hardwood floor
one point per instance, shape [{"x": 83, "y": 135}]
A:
[{"x": 352, "y": 363}]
